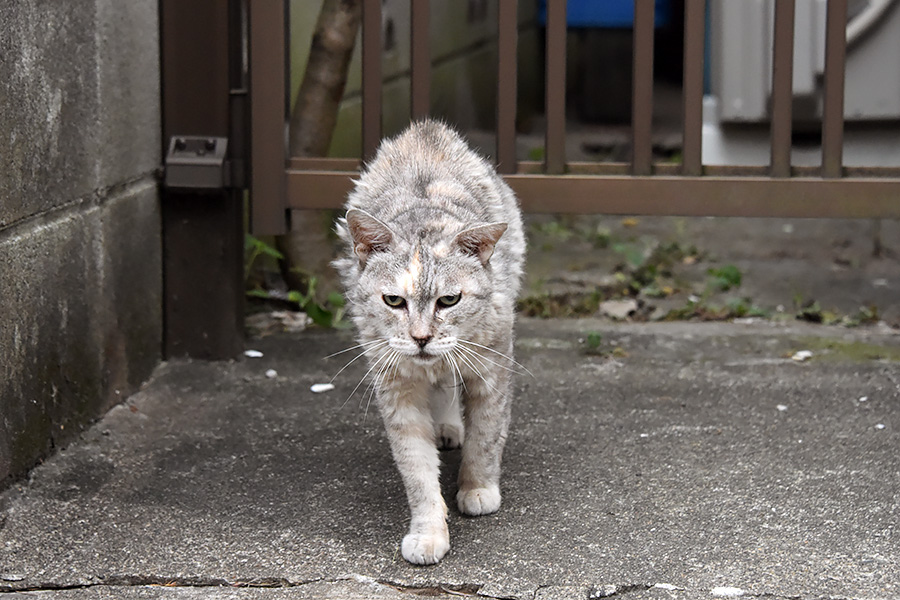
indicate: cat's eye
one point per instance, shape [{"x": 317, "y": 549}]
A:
[
  {"x": 447, "y": 301},
  {"x": 394, "y": 301}
]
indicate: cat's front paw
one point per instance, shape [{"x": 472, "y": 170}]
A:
[
  {"x": 425, "y": 548},
  {"x": 479, "y": 501},
  {"x": 449, "y": 437}
]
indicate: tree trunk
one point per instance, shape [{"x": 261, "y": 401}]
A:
[{"x": 309, "y": 246}]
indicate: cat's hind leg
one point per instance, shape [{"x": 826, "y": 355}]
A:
[{"x": 446, "y": 413}]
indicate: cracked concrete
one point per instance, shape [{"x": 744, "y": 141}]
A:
[{"x": 699, "y": 461}]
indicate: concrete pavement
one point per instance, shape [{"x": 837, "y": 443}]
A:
[{"x": 671, "y": 461}]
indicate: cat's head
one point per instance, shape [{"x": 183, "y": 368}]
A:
[{"x": 423, "y": 292}]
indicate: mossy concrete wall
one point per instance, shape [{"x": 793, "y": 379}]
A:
[
  {"x": 463, "y": 37},
  {"x": 80, "y": 250}
]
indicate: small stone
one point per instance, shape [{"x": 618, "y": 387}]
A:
[
  {"x": 781, "y": 407},
  {"x": 271, "y": 373},
  {"x": 318, "y": 388},
  {"x": 802, "y": 355},
  {"x": 619, "y": 309},
  {"x": 253, "y": 354},
  {"x": 603, "y": 591}
]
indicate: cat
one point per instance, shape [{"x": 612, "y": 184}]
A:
[{"x": 435, "y": 250}]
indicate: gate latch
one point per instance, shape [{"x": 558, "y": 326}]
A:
[{"x": 197, "y": 163}]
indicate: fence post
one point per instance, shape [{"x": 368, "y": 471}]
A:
[{"x": 202, "y": 230}]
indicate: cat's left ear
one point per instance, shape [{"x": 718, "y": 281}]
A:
[
  {"x": 368, "y": 233},
  {"x": 480, "y": 240}
]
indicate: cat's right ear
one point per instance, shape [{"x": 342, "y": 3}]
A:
[{"x": 369, "y": 234}]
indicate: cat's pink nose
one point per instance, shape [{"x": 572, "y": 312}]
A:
[{"x": 422, "y": 341}]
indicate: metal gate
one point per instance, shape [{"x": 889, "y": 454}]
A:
[{"x": 281, "y": 183}]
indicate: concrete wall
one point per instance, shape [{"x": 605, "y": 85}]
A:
[{"x": 80, "y": 250}]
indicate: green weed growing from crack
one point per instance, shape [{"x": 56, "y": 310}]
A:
[{"x": 329, "y": 313}]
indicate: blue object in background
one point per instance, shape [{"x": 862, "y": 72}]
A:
[{"x": 606, "y": 13}]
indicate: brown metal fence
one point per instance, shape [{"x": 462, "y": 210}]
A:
[{"x": 640, "y": 187}]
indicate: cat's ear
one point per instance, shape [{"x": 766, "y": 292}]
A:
[
  {"x": 368, "y": 233},
  {"x": 480, "y": 240}
]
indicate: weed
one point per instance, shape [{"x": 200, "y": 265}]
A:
[
  {"x": 593, "y": 346},
  {"x": 329, "y": 313},
  {"x": 700, "y": 309},
  {"x": 548, "y": 306},
  {"x": 254, "y": 248},
  {"x": 601, "y": 238},
  {"x": 812, "y": 312},
  {"x": 554, "y": 229},
  {"x": 593, "y": 340},
  {"x": 724, "y": 278}
]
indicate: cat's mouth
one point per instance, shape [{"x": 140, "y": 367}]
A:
[{"x": 424, "y": 357}]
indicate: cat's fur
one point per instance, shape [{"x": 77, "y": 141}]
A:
[{"x": 428, "y": 220}]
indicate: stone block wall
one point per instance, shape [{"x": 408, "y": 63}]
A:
[{"x": 80, "y": 233}]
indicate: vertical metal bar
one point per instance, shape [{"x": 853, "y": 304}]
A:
[
  {"x": 420, "y": 52},
  {"x": 371, "y": 77},
  {"x": 555, "y": 77},
  {"x": 782, "y": 88},
  {"x": 268, "y": 117},
  {"x": 694, "y": 31},
  {"x": 203, "y": 237},
  {"x": 833, "y": 109},
  {"x": 507, "y": 67},
  {"x": 642, "y": 92}
]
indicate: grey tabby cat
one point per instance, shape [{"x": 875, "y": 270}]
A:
[{"x": 435, "y": 251}]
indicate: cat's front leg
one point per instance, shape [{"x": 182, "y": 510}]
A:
[
  {"x": 487, "y": 413},
  {"x": 410, "y": 431}
]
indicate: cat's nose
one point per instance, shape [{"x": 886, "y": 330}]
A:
[{"x": 422, "y": 341}]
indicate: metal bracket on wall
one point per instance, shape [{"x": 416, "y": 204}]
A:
[{"x": 197, "y": 163}]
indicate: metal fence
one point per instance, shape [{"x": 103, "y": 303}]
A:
[{"x": 281, "y": 183}]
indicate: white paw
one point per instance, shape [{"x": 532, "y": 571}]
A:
[
  {"x": 449, "y": 437},
  {"x": 425, "y": 548},
  {"x": 479, "y": 501}
]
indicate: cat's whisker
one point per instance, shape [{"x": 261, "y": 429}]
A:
[
  {"x": 363, "y": 378},
  {"x": 380, "y": 344},
  {"x": 472, "y": 354},
  {"x": 462, "y": 380},
  {"x": 456, "y": 371},
  {"x": 375, "y": 382},
  {"x": 509, "y": 358},
  {"x": 475, "y": 369},
  {"x": 388, "y": 367},
  {"x": 376, "y": 379},
  {"x": 493, "y": 362},
  {"x": 369, "y": 343}
]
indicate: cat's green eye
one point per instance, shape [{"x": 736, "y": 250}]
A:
[
  {"x": 447, "y": 301},
  {"x": 394, "y": 301}
]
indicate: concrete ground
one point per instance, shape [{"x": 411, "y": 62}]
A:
[{"x": 646, "y": 461}]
